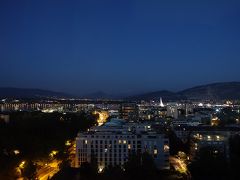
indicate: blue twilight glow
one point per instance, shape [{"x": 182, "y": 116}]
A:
[{"x": 118, "y": 46}]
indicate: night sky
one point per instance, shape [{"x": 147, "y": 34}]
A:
[{"x": 118, "y": 46}]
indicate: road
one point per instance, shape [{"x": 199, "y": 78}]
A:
[{"x": 48, "y": 170}]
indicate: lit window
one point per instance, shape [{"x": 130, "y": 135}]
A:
[
  {"x": 16, "y": 152},
  {"x": 129, "y": 146},
  {"x": 100, "y": 169},
  {"x": 85, "y": 142},
  {"x": 155, "y": 152},
  {"x": 124, "y": 142},
  {"x": 196, "y": 146},
  {"x": 120, "y": 141},
  {"x": 166, "y": 148}
]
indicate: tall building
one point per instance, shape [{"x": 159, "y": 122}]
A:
[
  {"x": 172, "y": 110},
  {"x": 129, "y": 111},
  {"x": 112, "y": 143}
]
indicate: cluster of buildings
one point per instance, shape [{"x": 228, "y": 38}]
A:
[
  {"x": 138, "y": 131},
  {"x": 214, "y": 137},
  {"x": 128, "y": 127}
]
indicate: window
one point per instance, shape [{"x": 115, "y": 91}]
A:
[{"x": 166, "y": 148}]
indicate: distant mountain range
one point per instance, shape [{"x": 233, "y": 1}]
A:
[
  {"x": 8, "y": 92},
  {"x": 216, "y": 91}
]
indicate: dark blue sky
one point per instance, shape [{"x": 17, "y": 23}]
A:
[{"x": 118, "y": 46}]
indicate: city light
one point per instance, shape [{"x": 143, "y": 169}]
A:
[
  {"x": 53, "y": 153},
  {"x": 100, "y": 169},
  {"x": 215, "y": 121},
  {"x": 21, "y": 165},
  {"x": 68, "y": 143},
  {"x": 166, "y": 148},
  {"x": 102, "y": 117},
  {"x": 179, "y": 164},
  {"x": 16, "y": 152}
]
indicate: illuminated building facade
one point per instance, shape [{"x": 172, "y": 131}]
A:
[
  {"x": 208, "y": 136},
  {"x": 112, "y": 143}
]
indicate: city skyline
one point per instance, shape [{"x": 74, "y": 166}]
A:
[
  {"x": 119, "y": 89},
  {"x": 127, "y": 47}
]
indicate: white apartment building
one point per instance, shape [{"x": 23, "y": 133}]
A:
[{"x": 112, "y": 143}]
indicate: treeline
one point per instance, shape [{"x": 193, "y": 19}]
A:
[
  {"x": 36, "y": 134},
  {"x": 212, "y": 164},
  {"x": 139, "y": 166}
]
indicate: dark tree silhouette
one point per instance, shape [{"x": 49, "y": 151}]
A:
[
  {"x": 30, "y": 171},
  {"x": 234, "y": 144},
  {"x": 209, "y": 165}
]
